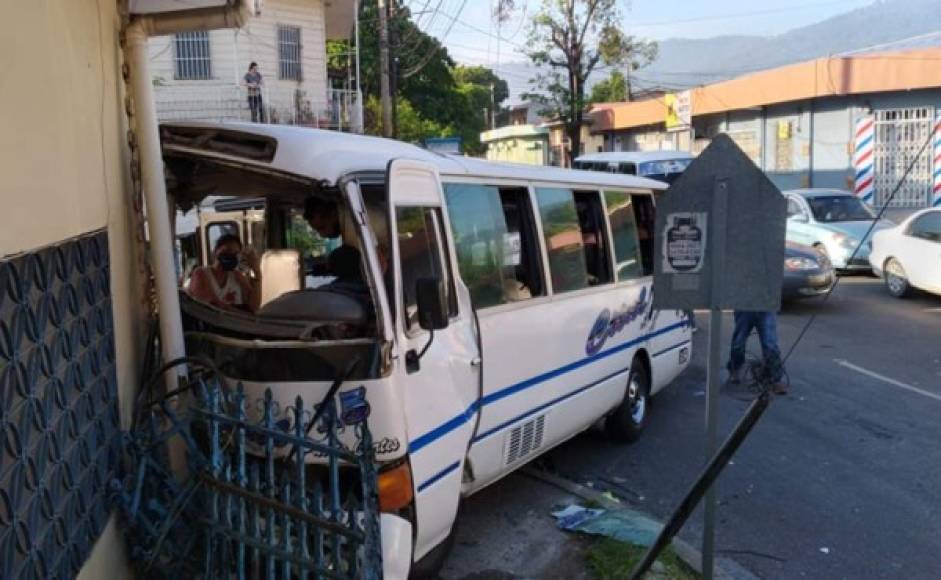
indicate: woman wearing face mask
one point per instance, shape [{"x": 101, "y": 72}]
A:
[{"x": 221, "y": 284}]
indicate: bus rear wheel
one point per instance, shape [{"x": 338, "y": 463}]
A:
[{"x": 626, "y": 423}]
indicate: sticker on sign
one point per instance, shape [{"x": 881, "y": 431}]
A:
[{"x": 684, "y": 244}]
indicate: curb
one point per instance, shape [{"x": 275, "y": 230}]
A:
[{"x": 726, "y": 569}]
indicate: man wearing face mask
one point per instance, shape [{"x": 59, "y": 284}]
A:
[{"x": 221, "y": 284}]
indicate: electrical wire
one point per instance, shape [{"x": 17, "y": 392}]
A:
[
  {"x": 432, "y": 53},
  {"x": 862, "y": 240}
]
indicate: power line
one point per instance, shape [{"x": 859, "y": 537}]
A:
[
  {"x": 872, "y": 226},
  {"x": 431, "y": 54}
]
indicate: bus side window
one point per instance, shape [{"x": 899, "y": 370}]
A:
[
  {"x": 627, "y": 168},
  {"x": 574, "y": 236},
  {"x": 495, "y": 242},
  {"x": 645, "y": 217},
  {"x": 422, "y": 255},
  {"x": 627, "y": 253}
]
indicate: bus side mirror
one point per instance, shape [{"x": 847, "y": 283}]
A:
[{"x": 432, "y": 303}]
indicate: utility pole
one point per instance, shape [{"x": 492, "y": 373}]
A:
[
  {"x": 493, "y": 108},
  {"x": 385, "y": 89},
  {"x": 393, "y": 67}
]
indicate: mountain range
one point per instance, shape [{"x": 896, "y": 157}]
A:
[{"x": 682, "y": 63}]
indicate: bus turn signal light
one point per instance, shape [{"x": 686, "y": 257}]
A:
[{"x": 395, "y": 488}]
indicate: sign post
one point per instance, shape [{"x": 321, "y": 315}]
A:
[{"x": 720, "y": 239}]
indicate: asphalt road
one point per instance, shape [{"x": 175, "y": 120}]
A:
[{"x": 841, "y": 478}]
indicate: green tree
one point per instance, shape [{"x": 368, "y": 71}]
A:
[
  {"x": 483, "y": 77},
  {"x": 434, "y": 96},
  {"x": 412, "y": 125},
  {"x": 568, "y": 39},
  {"x": 611, "y": 90}
]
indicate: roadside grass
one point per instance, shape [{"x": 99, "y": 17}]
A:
[{"x": 610, "y": 559}]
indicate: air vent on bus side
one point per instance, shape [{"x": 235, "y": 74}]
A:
[
  {"x": 522, "y": 440},
  {"x": 225, "y": 141}
]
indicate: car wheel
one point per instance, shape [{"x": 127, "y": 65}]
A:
[
  {"x": 626, "y": 423},
  {"x": 895, "y": 280}
]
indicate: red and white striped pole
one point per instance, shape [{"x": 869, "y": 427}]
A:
[{"x": 863, "y": 162}]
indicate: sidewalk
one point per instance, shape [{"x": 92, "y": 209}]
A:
[{"x": 507, "y": 532}]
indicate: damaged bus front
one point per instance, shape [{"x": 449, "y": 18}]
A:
[{"x": 299, "y": 305}]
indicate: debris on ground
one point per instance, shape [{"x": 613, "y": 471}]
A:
[{"x": 624, "y": 524}]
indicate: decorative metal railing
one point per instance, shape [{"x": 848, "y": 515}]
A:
[{"x": 219, "y": 486}]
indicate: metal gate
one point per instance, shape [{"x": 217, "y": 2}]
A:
[
  {"x": 900, "y": 134},
  {"x": 220, "y": 488}
]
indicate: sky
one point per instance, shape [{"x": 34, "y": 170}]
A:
[{"x": 471, "y": 36}]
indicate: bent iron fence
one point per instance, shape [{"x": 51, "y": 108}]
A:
[{"x": 219, "y": 488}]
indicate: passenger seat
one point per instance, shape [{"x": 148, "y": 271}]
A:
[{"x": 280, "y": 273}]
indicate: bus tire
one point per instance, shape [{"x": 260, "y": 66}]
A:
[{"x": 626, "y": 423}]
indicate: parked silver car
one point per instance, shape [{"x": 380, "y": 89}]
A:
[{"x": 833, "y": 222}]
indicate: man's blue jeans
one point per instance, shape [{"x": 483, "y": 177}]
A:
[{"x": 767, "y": 325}]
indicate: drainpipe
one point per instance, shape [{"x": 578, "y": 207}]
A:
[
  {"x": 813, "y": 136},
  {"x": 151, "y": 159},
  {"x": 155, "y": 196},
  {"x": 358, "y": 113}
]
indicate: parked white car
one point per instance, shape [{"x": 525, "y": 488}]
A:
[{"x": 909, "y": 255}]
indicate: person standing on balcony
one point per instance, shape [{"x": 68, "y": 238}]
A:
[{"x": 254, "y": 81}]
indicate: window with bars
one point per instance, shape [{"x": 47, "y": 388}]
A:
[
  {"x": 289, "y": 53},
  {"x": 191, "y": 59}
]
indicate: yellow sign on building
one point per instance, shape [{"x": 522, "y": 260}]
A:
[{"x": 679, "y": 110}]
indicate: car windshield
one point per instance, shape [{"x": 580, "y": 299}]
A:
[{"x": 839, "y": 208}]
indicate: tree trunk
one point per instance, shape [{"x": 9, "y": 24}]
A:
[{"x": 574, "y": 131}]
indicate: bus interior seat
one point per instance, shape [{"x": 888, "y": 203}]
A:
[{"x": 280, "y": 273}]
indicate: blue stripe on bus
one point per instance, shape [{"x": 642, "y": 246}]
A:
[
  {"x": 531, "y": 412},
  {"x": 674, "y": 347},
  {"x": 441, "y": 430},
  {"x": 438, "y": 476}
]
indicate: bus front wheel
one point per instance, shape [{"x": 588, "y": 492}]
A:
[{"x": 626, "y": 423}]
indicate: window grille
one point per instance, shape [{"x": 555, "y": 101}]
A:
[
  {"x": 191, "y": 60},
  {"x": 289, "y": 53}
]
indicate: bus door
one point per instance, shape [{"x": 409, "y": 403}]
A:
[{"x": 437, "y": 371}]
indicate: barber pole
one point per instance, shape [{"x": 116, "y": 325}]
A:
[
  {"x": 936, "y": 184},
  {"x": 864, "y": 147}
]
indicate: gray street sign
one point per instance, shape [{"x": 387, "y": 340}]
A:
[
  {"x": 719, "y": 244},
  {"x": 719, "y": 239}
]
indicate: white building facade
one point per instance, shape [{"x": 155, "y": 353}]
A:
[{"x": 200, "y": 75}]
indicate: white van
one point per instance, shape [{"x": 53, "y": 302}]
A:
[{"x": 505, "y": 309}]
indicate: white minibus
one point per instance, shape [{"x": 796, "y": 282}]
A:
[
  {"x": 502, "y": 309},
  {"x": 663, "y": 166}
]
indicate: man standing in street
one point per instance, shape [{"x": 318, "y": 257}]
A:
[
  {"x": 254, "y": 81},
  {"x": 767, "y": 325}
]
